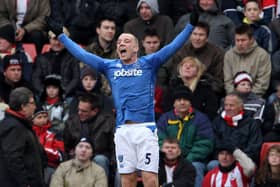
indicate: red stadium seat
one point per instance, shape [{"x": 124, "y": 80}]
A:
[
  {"x": 46, "y": 48},
  {"x": 30, "y": 49}
]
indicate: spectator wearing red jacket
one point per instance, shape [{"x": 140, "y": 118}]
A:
[{"x": 52, "y": 146}]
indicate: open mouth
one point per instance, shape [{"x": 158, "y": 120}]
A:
[{"x": 122, "y": 52}]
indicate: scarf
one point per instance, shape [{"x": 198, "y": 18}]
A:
[
  {"x": 232, "y": 121},
  {"x": 180, "y": 122},
  {"x": 51, "y": 101}
]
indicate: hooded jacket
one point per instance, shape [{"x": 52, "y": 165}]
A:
[
  {"x": 162, "y": 24},
  {"x": 255, "y": 61},
  {"x": 152, "y": 4},
  {"x": 221, "y": 30}
]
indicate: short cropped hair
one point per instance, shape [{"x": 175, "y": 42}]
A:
[
  {"x": 92, "y": 99},
  {"x": 237, "y": 95},
  {"x": 152, "y": 32},
  {"x": 205, "y": 26},
  {"x": 171, "y": 141},
  {"x": 245, "y": 29},
  {"x": 253, "y": 1},
  {"x": 18, "y": 97}
]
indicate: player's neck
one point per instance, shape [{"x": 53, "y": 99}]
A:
[{"x": 132, "y": 60}]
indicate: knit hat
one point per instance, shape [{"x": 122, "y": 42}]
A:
[
  {"x": 11, "y": 60},
  {"x": 86, "y": 70},
  {"x": 225, "y": 147},
  {"x": 39, "y": 110},
  {"x": 153, "y": 4},
  {"x": 242, "y": 76},
  {"x": 8, "y": 32},
  {"x": 87, "y": 140},
  {"x": 53, "y": 79},
  {"x": 182, "y": 92}
]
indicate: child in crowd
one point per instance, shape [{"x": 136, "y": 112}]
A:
[
  {"x": 263, "y": 35},
  {"x": 269, "y": 173},
  {"x": 52, "y": 101},
  {"x": 253, "y": 103},
  {"x": 91, "y": 83},
  {"x": 52, "y": 146}
]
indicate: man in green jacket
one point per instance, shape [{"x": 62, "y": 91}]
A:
[{"x": 192, "y": 129}]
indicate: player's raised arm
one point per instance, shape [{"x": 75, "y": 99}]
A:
[{"x": 166, "y": 52}]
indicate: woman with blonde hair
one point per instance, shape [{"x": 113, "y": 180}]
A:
[
  {"x": 269, "y": 173},
  {"x": 191, "y": 74}
]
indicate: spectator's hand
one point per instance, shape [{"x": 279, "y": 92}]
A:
[
  {"x": 54, "y": 26},
  {"x": 19, "y": 34},
  {"x": 194, "y": 17}
]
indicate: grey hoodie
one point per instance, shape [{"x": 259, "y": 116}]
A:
[
  {"x": 221, "y": 27},
  {"x": 153, "y": 4}
]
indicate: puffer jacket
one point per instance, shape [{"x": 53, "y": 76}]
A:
[
  {"x": 194, "y": 134},
  {"x": 246, "y": 135}
]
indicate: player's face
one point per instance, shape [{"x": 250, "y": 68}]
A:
[
  {"x": 83, "y": 152},
  {"x": 198, "y": 37},
  {"x": 171, "y": 150},
  {"x": 5, "y": 45},
  {"x": 13, "y": 73},
  {"x": 88, "y": 83},
  {"x": 145, "y": 12},
  {"x": 127, "y": 48},
  {"x": 244, "y": 87},
  {"x": 182, "y": 105},
  {"x": 56, "y": 45},
  {"x": 188, "y": 70},
  {"x": 232, "y": 106},
  {"x": 206, "y": 4},
  {"x": 85, "y": 111},
  {"x": 252, "y": 11},
  {"x": 52, "y": 91},
  {"x": 41, "y": 119},
  {"x": 243, "y": 42},
  {"x": 151, "y": 44},
  {"x": 225, "y": 158},
  {"x": 107, "y": 30}
]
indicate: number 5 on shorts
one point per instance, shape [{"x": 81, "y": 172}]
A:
[{"x": 148, "y": 158}]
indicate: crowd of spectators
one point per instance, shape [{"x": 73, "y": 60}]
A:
[{"x": 217, "y": 100}]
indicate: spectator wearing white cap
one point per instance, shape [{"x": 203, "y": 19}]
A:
[{"x": 253, "y": 103}]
